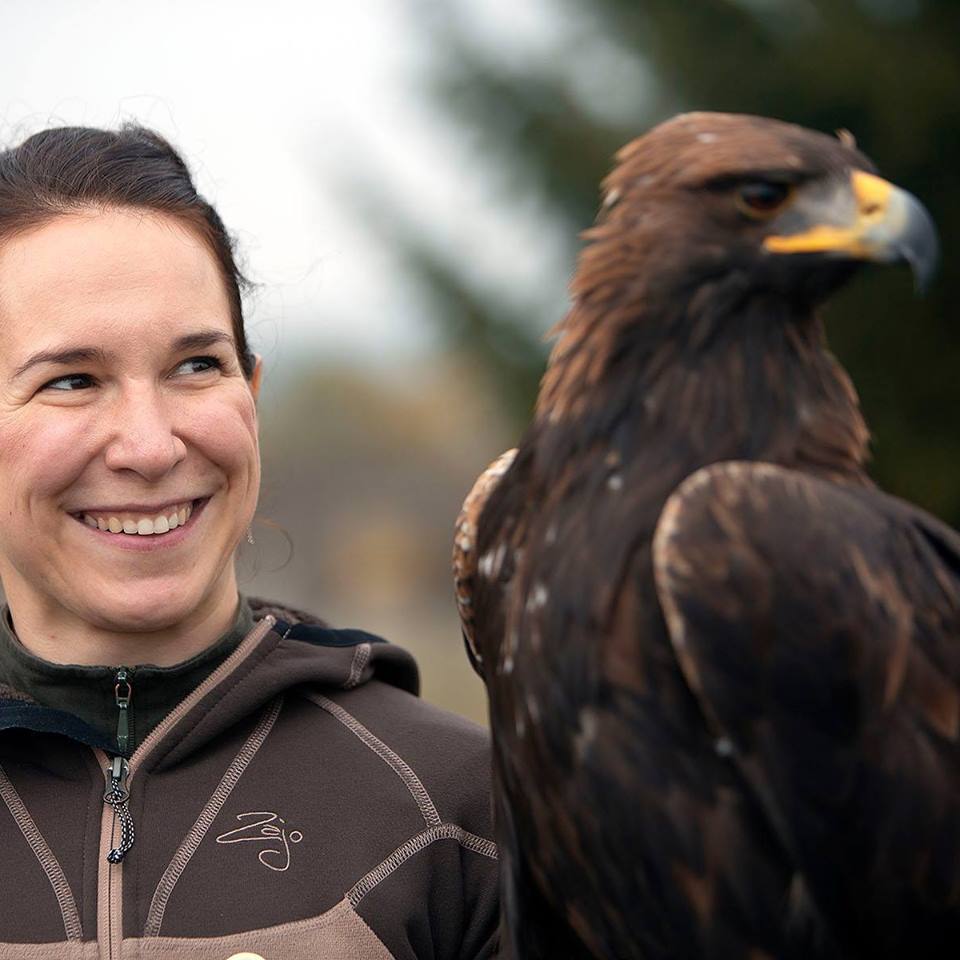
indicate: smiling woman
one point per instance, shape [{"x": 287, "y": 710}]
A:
[
  {"x": 145, "y": 708},
  {"x": 120, "y": 445}
]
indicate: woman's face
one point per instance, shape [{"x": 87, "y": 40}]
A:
[{"x": 122, "y": 406}]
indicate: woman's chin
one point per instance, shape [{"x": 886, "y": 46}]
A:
[{"x": 151, "y": 610}]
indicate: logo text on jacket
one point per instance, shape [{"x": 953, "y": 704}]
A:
[{"x": 269, "y": 830}]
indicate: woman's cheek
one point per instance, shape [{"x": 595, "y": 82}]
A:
[
  {"x": 225, "y": 431},
  {"x": 43, "y": 455}
]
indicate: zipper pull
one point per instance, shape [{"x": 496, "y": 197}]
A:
[
  {"x": 123, "y": 694},
  {"x": 117, "y": 796}
]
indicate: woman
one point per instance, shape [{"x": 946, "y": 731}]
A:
[{"x": 186, "y": 774}]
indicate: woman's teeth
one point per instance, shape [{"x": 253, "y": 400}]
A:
[{"x": 141, "y": 526}]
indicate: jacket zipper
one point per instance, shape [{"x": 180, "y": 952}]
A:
[
  {"x": 123, "y": 695},
  {"x": 109, "y": 875},
  {"x": 117, "y": 795},
  {"x": 118, "y": 771}
]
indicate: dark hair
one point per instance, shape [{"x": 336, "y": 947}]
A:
[{"x": 65, "y": 169}]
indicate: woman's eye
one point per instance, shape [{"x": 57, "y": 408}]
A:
[
  {"x": 72, "y": 381},
  {"x": 199, "y": 365},
  {"x": 760, "y": 198}
]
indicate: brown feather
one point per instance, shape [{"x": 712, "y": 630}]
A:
[{"x": 464, "y": 543}]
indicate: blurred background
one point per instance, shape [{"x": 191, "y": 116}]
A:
[{"x": 407, "y": 180}]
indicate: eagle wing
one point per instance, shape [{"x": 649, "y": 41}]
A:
[
  {"x": 819, "y": 628},
  {"x": 465, "y": 560}
]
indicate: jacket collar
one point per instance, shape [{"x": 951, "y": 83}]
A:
[
  {"x": 89, "y": 692},
  {"x": 276, "y": 656}
]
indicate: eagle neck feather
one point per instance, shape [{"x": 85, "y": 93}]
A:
[{"x": 733, "y": 374}]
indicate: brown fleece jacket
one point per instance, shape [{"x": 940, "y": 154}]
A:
[{"x": 301, "y": 802}]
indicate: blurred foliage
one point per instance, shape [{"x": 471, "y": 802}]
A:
[
  {"x": 549, "y": 123},
  {"x": 363, "y": 476}
]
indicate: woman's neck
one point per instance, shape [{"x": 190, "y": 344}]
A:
[{"x": 58, "y": 635}]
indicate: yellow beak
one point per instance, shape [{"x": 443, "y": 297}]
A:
[{"x": 865, "y": 218}]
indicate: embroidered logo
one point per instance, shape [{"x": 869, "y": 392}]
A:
[{"x": 270, "y": 831}]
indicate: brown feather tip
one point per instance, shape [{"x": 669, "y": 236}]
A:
[
  {"x": 465, "y": 539},
  {"x": 847, "y": 138}
]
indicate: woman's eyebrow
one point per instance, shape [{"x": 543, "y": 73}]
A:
[
  {"x": 201, "y": 339},
  {"x": 69, "y": 355}
]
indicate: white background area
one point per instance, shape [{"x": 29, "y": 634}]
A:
[{"x": 285, "y": 110}]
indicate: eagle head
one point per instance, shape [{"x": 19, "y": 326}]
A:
[
  {"x": 738, "y": 202},
  {"x": 695, "y": 297}
]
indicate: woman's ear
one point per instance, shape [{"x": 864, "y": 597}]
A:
[{"x": 256, "y": 376}]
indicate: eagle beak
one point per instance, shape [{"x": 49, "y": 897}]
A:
[{"x": 863, "y": 217}]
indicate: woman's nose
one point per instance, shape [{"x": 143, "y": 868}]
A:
[{"x": 143, "y": 438}]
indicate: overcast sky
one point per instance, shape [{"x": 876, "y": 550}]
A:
[{"x": 281, "y": 108}]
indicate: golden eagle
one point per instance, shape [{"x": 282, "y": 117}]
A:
[{"x": 723, "y": 667}]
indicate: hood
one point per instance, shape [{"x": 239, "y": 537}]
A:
[{"x": 278, "y": 656}]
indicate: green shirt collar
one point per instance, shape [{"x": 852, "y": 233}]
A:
[{"x": 89, "y": 693}]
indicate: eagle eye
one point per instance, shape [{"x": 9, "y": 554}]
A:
[{"x": 761, "y": 198}]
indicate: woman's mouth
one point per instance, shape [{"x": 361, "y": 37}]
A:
[{"x": 134, "y": 523}]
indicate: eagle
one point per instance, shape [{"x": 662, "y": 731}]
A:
[{"x": 723, "y": 666}]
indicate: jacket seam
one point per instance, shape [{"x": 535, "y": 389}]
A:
[
  {"x": 360, "y": 657},
  {"x": 49, "y": 863},
  {"x": 208, "y": 814},
  {"x": 396, "y": 763},
  {"x": 94, "y": 813},
  {"x": 216, "y": 697},
  {"x": 415, "y": 845}
]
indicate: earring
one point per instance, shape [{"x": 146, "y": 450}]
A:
[{"x": 250, "y": 535}]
